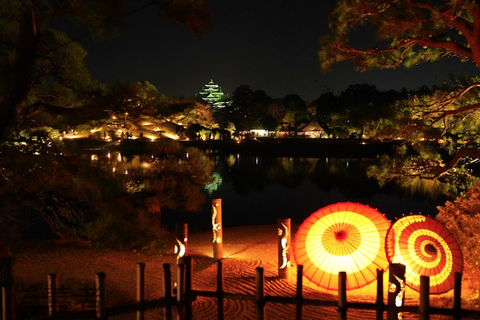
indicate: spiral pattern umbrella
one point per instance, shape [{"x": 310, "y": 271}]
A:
[
  {"x": 346, "y": 237},
  {"x": 426, "y": 248}
]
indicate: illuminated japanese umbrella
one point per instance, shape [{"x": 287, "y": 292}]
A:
[
  {"x": 426, "y": 248},
  {"x": 346, "y": 237}
]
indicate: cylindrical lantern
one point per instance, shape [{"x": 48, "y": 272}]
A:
[
  {"x": 181, "y": 239},
  {"x": 284, "y": 239},
  {"x": 396, "y": 288},
  {"x": 217, "y": 229}
]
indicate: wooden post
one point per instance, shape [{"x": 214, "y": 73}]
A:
[
  {"x": 188, "y": 262},
  {"x": 299, "y": 292},
  {"x": 100, "y": 296},
  {"x": 52, "y": 298},
  {"x": 424, "y": 306},
  {"x": 457, "y": 296},
  {"x": 181, "y": 240},
  {"x": 217, "y": 229},
  {"x": 141, "y": 290},
  {"x": 342, "y": 295},
  {"x": 181, "y": 315},
  {"x": 221, "y": 313},
  {"x": 396, "y": 289},
  {"x": 284, "y": 240},
  {"x": 260, "y": 293},
  {"x": 8, "y": 303},
  {"x": 167, "y": 291},
  {"x": 379, "y": 302}
]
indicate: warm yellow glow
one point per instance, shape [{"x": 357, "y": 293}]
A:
[
  {"x": 151, "y": 137},
  {"x": 401, "y": 293},
  {"x": 75, "y": 136},
  {"x": 94, "y": 157},
  {"x": 284, "y": 232},
  {"x": 335, "y": 255},
  {"x": 179, "y": 249},
  {"x": 424, "y": 252},
  {"x": 344, "y": 236},
  {"x": 216, "y": 227},
  {"x": 171, "y": 136},
  {"x": 441, "y": 276}
]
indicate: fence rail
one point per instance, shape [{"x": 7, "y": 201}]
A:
[{"x": 181, "y": 299}]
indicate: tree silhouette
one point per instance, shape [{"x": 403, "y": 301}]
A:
[{"x": 436, "y": 125}]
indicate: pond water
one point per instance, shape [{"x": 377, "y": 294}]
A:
[{"x": 261, "y": 189}]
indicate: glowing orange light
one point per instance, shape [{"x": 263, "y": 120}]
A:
[
  {"x": 216, "y": 226},
  {"x": 393, "y": 287},
  {"x": 180, "y": 249},
  {"x": 342, "y": 237},
  {"x": 284, "y": 232},
  {"x": 426, "y": 248}
]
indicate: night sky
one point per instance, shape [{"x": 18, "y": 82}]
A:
[{"x": 268, "y": 45}]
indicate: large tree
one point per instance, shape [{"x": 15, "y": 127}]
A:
[
  {"x": 437, "y": 125},
  {"x": 33, "y": 53},
  {"x": 41, "y": 68}
]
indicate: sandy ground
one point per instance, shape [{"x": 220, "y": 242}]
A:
[{"x": 245, "y": 249}]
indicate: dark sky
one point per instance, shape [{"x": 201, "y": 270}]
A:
[{"x": 268, "y": 45}]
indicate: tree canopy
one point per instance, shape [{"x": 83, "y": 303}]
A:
[
  {"x": 34, "y": 55},
  {"x": 438, "y": 126},
  {"x": 42, "y": 72}
]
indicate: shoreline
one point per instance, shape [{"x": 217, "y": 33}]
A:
[{"x": 290, "y": 147}]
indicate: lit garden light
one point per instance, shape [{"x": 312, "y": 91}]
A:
[
  {"x": 284, "y": 241},
  {"x": 396, "y": 290},
  {"x": 426, "y": 248},
  {"x": 217, "y": 229},
  {"x": 346, "y": 237},
  {"x": 181, "y": 240}
]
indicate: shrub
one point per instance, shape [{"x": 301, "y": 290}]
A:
[
  {"x": 121, "y": 226},
  {"x": 462, "y": 219}
]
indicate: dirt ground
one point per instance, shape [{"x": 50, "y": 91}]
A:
[{"x": 245, "y": 249}]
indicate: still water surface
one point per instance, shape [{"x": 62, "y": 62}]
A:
[{"x": 259, "y": 190}]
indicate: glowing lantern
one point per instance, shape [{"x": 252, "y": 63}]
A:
[
  {"x": 217, "y": 228},
  {"x": 345, "y": 237},
  {"x": 426, "y": 248},
  {"x": 181, "y": 237},
  {"x": 284, "y": 242}
]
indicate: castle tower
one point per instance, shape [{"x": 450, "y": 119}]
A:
[{"x": 212, "y": 93}]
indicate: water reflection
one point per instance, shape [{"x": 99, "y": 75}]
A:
[{"x": 261, "y": 189}]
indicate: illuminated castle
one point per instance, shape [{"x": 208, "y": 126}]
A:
[{"x": 212, "y": 93}]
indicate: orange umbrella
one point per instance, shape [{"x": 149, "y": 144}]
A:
[
  {"x": 346, "y": 237},
  {"x": 426, "y": 248}
]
